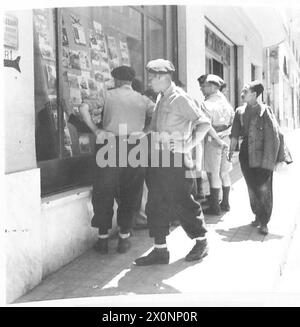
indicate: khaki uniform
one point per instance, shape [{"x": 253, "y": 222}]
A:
[{"x": 220, "y": 112}]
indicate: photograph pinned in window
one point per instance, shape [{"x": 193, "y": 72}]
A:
[
  {"x": 84, "y": 143},
  {"x": 84, "y": 60},
  {"x": 113, "y": 52},
  {"x": 51, "y": 78},
  {"x": 78, "y": 30},
  {"x": 95, "y": 57},
  {"x": 65, "y": 57},
  {"x": 124, "y": 53},
  {"x": 74, "y": 59},
  {"x": 75, "y": 95}
]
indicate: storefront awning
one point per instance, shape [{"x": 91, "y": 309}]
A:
[{"x": 268, "y": 23}]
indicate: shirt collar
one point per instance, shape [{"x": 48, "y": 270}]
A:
[
  {"x": 126, "y": 86},
  {"x": 169, "y": 90}
]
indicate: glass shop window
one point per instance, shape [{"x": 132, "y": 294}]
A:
[{"x": 75, "y": 50}]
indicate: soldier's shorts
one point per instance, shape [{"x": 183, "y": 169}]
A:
[{"x": 215, "y": 160}]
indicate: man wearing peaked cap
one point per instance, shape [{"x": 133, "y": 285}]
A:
[
  {"x": 160, "y": 66},
  {"x": 211, "y": 78},
  {"x": 177, "y": 127},
  {"x": 123, "y": 73},
  {"x": 123, "y": 107},
  {"x": 220, "y": 112}
]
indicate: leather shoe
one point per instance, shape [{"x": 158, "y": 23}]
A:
[
  {"x": 124, "y": 245},
  {"x": 199, "y": 251},
  {"x": 101, "y": 245},
  {"x": 263, "y": 229},
  {"x": 156, "y": 256}
]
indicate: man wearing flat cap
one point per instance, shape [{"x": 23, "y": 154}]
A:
[
  {"x": 170, "y": 184},
  {"x": 220, "y": 113},
  {"x": 125, "y": 113}
]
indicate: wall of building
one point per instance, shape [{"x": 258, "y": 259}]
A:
[
  {"x": 242, "y": 33},
  {"x": 19, "y": 101}
]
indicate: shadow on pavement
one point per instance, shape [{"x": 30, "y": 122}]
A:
[
  {"x": 245, "y": 233},
  {"x": 147, "y": 280}
]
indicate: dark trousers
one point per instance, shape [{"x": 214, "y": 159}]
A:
[
  {"x": 123, "y": 184},
  {"x": 260, "y": 187},
  {"x": 170, "y": 198}
]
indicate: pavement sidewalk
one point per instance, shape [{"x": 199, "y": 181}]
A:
[{"x": 243, "y": 267}]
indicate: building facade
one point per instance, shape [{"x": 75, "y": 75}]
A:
[{"x": 55, "y": 58}]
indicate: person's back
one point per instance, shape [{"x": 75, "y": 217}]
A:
[
  {"x": 123, "y": 105},
  {"x": 219, "y": 110}
]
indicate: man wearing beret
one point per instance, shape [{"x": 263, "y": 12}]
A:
[
  {"x": 261, "y": 150},
  {"x": 123, "y": 107},
  {"x": 170, "y": 184},
  {"x": 220, "y": 113}
]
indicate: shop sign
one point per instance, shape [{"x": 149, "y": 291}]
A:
[
  {"x": 217, "y": 45},
  {"x": 11, "y": 35}
]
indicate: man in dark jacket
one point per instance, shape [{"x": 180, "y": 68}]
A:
[{"x": 262, "y": 148}]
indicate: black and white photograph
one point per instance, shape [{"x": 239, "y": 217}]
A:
[{"x": 168, "y": 176}]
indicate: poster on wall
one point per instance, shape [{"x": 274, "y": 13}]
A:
[
  {"x": 113, "y": 52},
  {"x": 11, "y": 32},
  {"x": 124, "y": 53},
  {"x": 74, "y": 59},
  {"x": 78, "y": 30},
  {"x": 84, "y": 60}
]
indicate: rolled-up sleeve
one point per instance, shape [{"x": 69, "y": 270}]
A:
[{"x": 150, "y": 105}]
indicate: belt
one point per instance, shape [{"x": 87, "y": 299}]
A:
[{"x": 220, "y": 128}]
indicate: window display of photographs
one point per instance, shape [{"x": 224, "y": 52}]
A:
[
  {"x": 75, "y": 96},
  {"x": 95, "y": 57},
  {"x": 51, "y": 78},
  {"x": 113, "y": 52},
  {"x": 74, "y": 59},
  {"x": 42, "y": 25},
  {"x": 84, "y": 143},
  {"x": 78, "y": 30},
  {"x": 65, "y": 57},
  {"x": 124, "y": 53},
  {"x": 84, "y": 60}
]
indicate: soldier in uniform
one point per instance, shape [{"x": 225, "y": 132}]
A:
[
  {"x": 170, "y": 186},
  {"x": 220, "y": 112},
  {"x": 122, "y": 107}
]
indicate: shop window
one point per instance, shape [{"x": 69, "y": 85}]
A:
[{"x": 75, "y": 50}]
